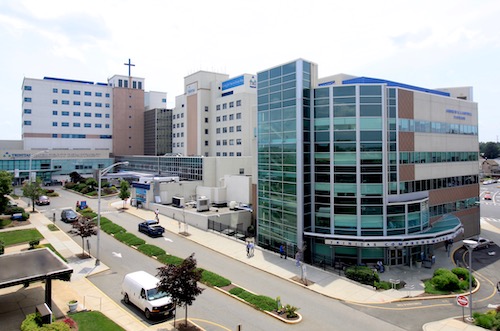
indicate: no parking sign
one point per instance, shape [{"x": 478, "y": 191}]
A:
[{"x": 462, "y": 300}]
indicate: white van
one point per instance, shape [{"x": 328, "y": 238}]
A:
[{"x": 140, "y": 288}]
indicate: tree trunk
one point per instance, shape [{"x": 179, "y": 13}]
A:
[{"x": 186, "y": 318}]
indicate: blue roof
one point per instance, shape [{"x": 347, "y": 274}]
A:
[
  {"x": 69, "y": 80},
  {"x": 368, "y": 80}
]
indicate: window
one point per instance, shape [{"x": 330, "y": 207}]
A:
[
  {"x": 76, "y": 113},
  {"x": 87, "y": 114},
  {"x": 125, "y": 83},
  {"x": 224, "y": 154},
  {"x": 120, "y": 83},
  {"x": 231, "y": 129},
  {"x": 88, "y": 93},
  {"x": 238, "y": 141},
  {"x": 206, "y": 119},
  {"x": 27, "y": 99},
  {"x": 231, "y": 117},
  {"x": 224, "y": 106},
  {"x": 206, "y": 131},
  {"x": 107, "y": 126},
  {"x": 238, "y": 116},
  {"x": 98, "y": 94},
  {"x": 87, "y": 125},
  {"x": 182, "y": 115},
  {"x": 64, "y": 124},
  {"x": 238, "y": 103},
  {"x": 54, "y": 101},
  {"x": 54, "y": 112},
  {"x": 224, "y": 130},
  {"x": 27, "y": 122},
  {"x": 164, "y": 100},
  {"x": 107, "y": 105},
  {"x": 134, "y": 84},
  {"x": 75, "y": 92},
  {"x": 217, "y": 119},
  {"x": 238, "y": 153},
  {"x": 217, "y": 130},
  {"x": 98, "y": 125},
  {"x": 238, "y": 128},
  {"x": 231, "y": 153},
  {"x": 98, "y": 115},
  {"x": 231, "y": 142},
  {"x": 224, "y": 142},
  {"x": 65, "y": 113},
  {"x": 88, "y": 104},
  {"x": 140, "y": 86},
  {"x": 217, "y": 107},
  {"x": 64, "y": 91},
  {"x": 54, "y": 90},
  {"x": 231, "y": 104},
  {"x": 98, "y": 104},
  {"x": 182, "y": 124},
  {"x": 65, "y": 102},
  {"x": 217, "y": 142},
  {"x": 106, "y": 115},
  {"x": 224, "y": 118},
  {"x": 54, "y": 135},
  {"x": 206, "y": 108},
  {"x": 76, "y": 125},
  {"x": 107, "y": 95},
  {"x": 217, "y": 154},
  {"x": 27, "y": 111},
  {"x": 206, "y": 142},
  {"x": 76, "y": 103},
  {"x": 54, "y": 123}
]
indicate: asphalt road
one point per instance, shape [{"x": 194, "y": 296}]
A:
[{"x": 213, "y": 310}]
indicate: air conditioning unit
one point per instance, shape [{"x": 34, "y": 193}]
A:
[
  {"x": 178, "y": 202},
  {"x": 202, "y": 204}
]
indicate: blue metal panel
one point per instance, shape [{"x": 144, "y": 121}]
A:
[
  {"x": 368, "y": 80},
  {"x": 69, "y": 80},
  {"x": 237, "y": 81}
]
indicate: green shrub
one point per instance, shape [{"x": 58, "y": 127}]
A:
[
  {"x": 56, "y": 326},
  {"x": 212, "y": 279},
  {"x": 382, "y": 285},
  {"x": 79, "y": 187},
  {"x": 169, "y": 259},
  {"x": 461, "y": 273},
  {"x": 52, "y": 227},
  {"x": 363, "y": 275},
  {"x": 70, "y": 185},
  {"x": 88, "y": 213},
  {"x": 484, "y": 320},
  {"x": 32, "y": 322},
  {"x": 111, "y": 228},
  {"x": 151, "y": 250},
  {"x": 86, "y": 189},
  {"x": 440, "y": 271},
  {"x": 291, "y": 311},
  {"x": 129, "y": 239},
  {"x": 446, "y": 281},
  {"x": 34, "y": 243}
]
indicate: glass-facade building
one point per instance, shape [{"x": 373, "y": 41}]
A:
[{"x": 362, "y": 170}]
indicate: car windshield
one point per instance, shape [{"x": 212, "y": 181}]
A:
[
  {"x": 70, "y": 213},
  {"x": 154, "y": 294}
]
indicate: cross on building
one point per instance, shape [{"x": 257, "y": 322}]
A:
[{"x": 129, "y": 64}]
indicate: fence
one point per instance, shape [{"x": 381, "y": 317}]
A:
[{"x": 238, "y": 232}]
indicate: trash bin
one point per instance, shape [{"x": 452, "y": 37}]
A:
[{"x": 433, "y": 259}]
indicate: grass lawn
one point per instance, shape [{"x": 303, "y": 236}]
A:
[
  {"x": 4, "y": 222},
  {"x": 94, "y": 321},
  {"x": 20, "y": 236},
  {"x": 49, "y": 246}
]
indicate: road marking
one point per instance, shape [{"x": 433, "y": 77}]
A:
[
  {"x": 117, "y": 254},
  {"x": 489, "y": 219},
  {"x": 208, "y": 322},
  {"x": 168, "y": 239}
]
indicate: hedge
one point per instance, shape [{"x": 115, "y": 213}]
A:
[
  {"x": 212, "y": 279},
  {"x": 260, "y": 301},
  {"x": 129, "y": 239},
  {"x": 151, "y": 250}
]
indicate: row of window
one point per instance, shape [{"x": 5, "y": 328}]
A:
[
  {"x": 79, "y": 125},
  {"x": 79, "y": 136},
  {"x": 77, "y": 92},
  {"x": 228, "y": 129},
  {"x": 75, "y": 113},
  {"x": 225, "y": 117},
  {"x": 78, "y": 103},
  {"x": 231, "y": 105},
  {"x": 228, "y": 154},
  {"x": 226, "y": 141},
  {"x": 124, "y": 83}
]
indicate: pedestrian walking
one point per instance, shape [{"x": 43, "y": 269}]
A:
[
  {"x": 252, "y": 246},
  {"x": 248, "y": 248},
  {"x": 157, "y": 214},
  {"x": 282, "y": 251}
]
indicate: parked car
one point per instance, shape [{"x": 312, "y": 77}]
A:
[
  {"x": 482, "y": 242},
  {"x": 152, "y": 228},
  {"x": 69, "y": 215},
  {"x": 52, "y": 182},
  {"x": 11, "y": 203},
  {"x": 487, "y": 196},
  {"x": 42, "y": 200}
]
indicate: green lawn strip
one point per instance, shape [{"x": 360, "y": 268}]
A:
[
  {"x": 4, "y": 222},
  {"x": 169, "y": 259},
  {"x": 20, "y": 236},
  {"x": 94, "y": 321},
  {"x": 52, "y": 227},
  {"x": 129, "y": 239},
  {"x": 151, "y": 250},
  {"x": 212, "y": 279},
  {"x": 112, "y": 228},
  {"x": 260, "y": 301}
]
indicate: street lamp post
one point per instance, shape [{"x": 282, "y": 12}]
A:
[
  {"x": 470, "y": 244},
  {"x": 102, "y": 173},
  {"x": 31, "y": 158}
]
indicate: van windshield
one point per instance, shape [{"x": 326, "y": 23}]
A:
[{"x": 154, "y": 294}]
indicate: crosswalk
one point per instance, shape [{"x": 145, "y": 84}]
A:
[{"x": 489, "y": 219}]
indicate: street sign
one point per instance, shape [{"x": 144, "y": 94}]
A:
[{"x": 462, "y": 300}]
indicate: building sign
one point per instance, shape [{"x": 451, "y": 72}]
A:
[
  {"x": 237, "y": 81},
  {"x": 327, "y": 83},
  {"x": 54, "y": 154},
  {"x": 458, "y": 114},
  {"x": 253, "y": 82},
  {"x": 192, "y": 88},
  {"x": 392, "y": 243}
]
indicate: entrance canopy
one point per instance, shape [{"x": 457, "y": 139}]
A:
[
  {"x": 31, "y": 266},
  {"x": 446, "y": 228}
]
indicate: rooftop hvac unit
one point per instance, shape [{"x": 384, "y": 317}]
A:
[
  {"x": 202, "y": 204},
  {"x": 178, "y": 202}
]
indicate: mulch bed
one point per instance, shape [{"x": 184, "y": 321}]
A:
[
  {"x": 181, "y": 326},
  {"x": 305, "y": 282}
]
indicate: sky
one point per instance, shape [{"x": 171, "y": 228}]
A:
[{"x": 427, "y": 43}]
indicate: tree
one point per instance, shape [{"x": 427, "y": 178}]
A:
[
  {"x": 5, "y": 188},
  {"x": 33, "y": 190},
  {"x": 181, "y": 282},
  {"x": 84, "y": 228},
  {"x": 124, "y": 191},
  {"x": 76, "y": 177},
  {"x": 491, "y": 150},
  {"x": 92, "y": 183}
]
